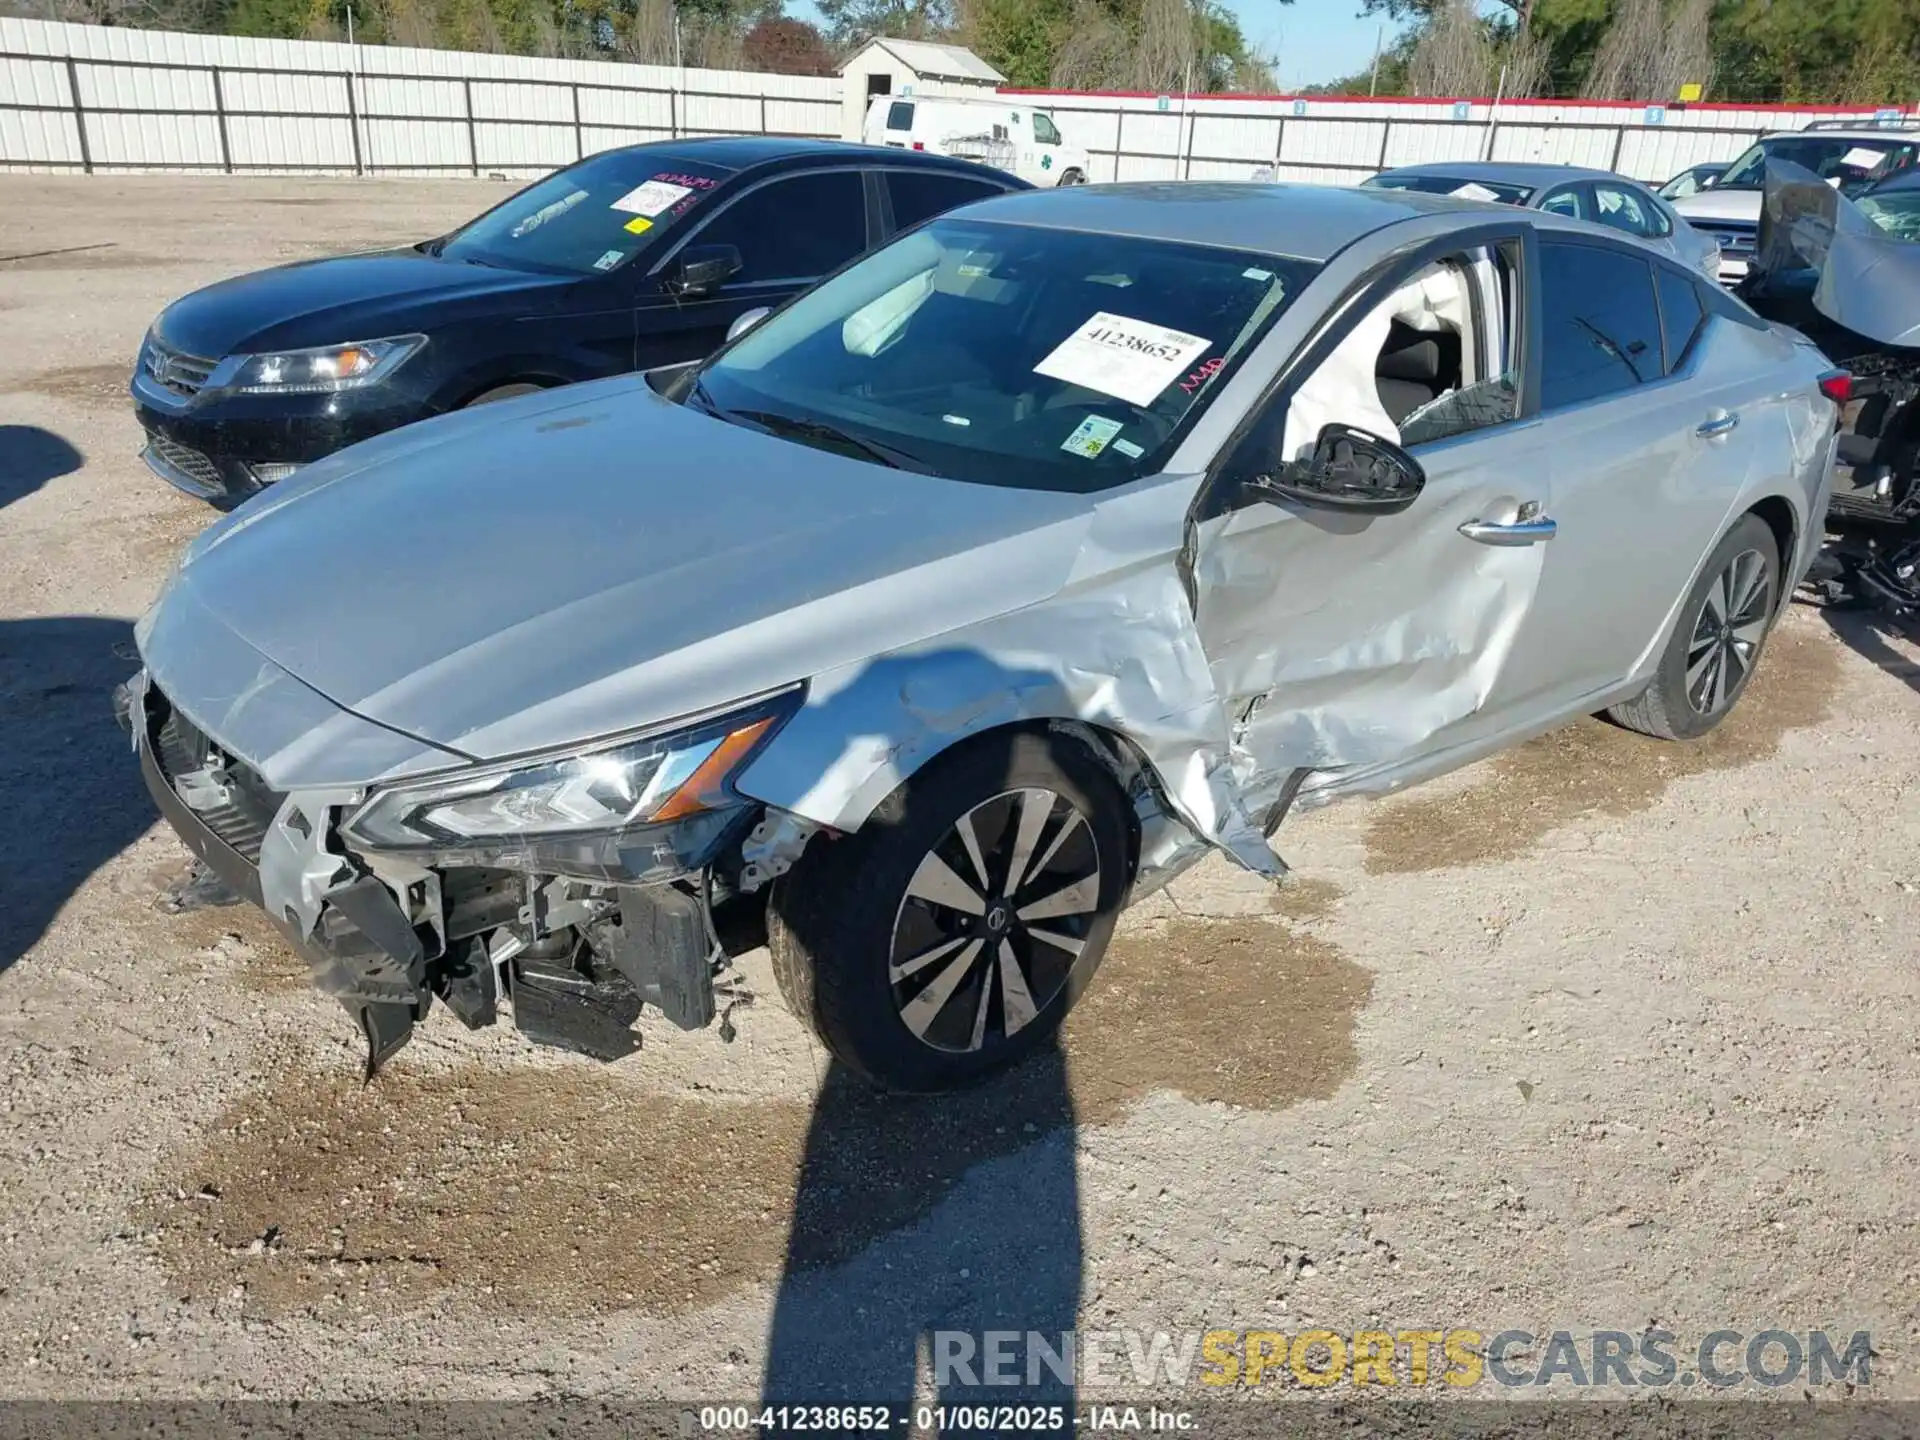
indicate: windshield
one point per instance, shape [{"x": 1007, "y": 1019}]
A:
[
  {"x": 1007, "y": 355},
  {"x": 1852, "y": 160},
  {"x": 590, "y": 217},
  {"x": 1897, "y": 213},
  {"x": 1501, "y": 190}
]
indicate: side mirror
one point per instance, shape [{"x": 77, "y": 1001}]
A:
[
  {"x": 746, "y": 322},
  {"x": 1349, "y": 470},
  {"x": 701, "y": 268},
  {"x": 1707, "y": 182}
]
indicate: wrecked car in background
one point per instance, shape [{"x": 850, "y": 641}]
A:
[
  {"x": 982, "y": 589},
  {"x": 1845, "y": 272}
]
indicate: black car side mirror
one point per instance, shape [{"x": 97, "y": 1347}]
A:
[
  {"x": 699, "y": 269},
  {"x": 1349, "y": 470}
]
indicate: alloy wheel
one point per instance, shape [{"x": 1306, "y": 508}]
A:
[
  {"x": 1727, "y": 634},
  {"x": 995, "y": 919}
]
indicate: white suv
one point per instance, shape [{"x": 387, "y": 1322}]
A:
[{"x": 1850, "y": 155}]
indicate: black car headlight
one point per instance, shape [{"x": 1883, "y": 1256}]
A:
[
  {"x": 599, "y": 790},
  {"x": 320, "y": 370}
]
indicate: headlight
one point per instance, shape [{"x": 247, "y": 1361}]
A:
[
  {"x": 650, "y": 780},
  {"x": 321, "y": 370}
]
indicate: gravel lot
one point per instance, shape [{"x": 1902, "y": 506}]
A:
[{"x": 1601, "y": 1034}]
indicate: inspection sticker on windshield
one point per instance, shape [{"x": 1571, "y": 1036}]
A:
[
  {"x": 1862, "y": 158},
  {"x": 639, "y": 225},
  {"x": 1126, "y": 358},
  {"x": 610, "y": 259},
  {"x": 1092, "y": 436},
  {"x": 1472, "y": 191},
  {"x": 651, "y": 198}
]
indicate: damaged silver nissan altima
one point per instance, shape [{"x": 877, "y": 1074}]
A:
[{"x": 978, "y": 591}]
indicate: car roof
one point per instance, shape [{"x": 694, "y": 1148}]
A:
[
  {"x": 1866, "y": 130},
  {"x": 1307, "y": 222},
  {"x": 1511, "y": 172},
  {"x": 749, "y": 152}
]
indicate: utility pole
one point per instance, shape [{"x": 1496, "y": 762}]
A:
[{"x": 1373, "y": 85}]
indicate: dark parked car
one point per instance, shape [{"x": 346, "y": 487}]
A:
[{"x": 629, "y": 259}]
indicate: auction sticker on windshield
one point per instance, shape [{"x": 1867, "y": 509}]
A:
[
  {"x": 1472, "y": 191},
  {"x": 1119, "y": 356},
  {"x": 651, "y": 198},
  {"x": 1091, "y": 437}
]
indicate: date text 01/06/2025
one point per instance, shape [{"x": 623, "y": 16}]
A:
[{"x": 986, "y": 1419}]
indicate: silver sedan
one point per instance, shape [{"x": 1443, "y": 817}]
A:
[
  {"x": 975, "y": 593},
  {"x": 1598, "y": 196}
]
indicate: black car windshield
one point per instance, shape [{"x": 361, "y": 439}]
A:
[
  {"x": 1501, "y": 190},
  {"x": 1007, "y": 354},
  {"x": 591, "y": 217},
  {"x": 1855, "y": 161}
]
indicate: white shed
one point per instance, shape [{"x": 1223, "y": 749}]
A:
[{"x": 910, "y": 67}]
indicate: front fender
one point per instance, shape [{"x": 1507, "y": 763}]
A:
[{"x": 1122, "y": 655}]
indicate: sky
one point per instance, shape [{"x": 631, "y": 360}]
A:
[{"x": 1310, "y": 40}]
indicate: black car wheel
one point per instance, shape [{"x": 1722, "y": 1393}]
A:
[
  {"x": 1714, "y": 648},
  {"x": 949, "y": 936}
]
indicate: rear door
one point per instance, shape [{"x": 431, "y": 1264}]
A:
[
  {"x": 790, "y": 230},
  {"x": 896, "y": 124},
  {"x": 1652, "y": 435}
]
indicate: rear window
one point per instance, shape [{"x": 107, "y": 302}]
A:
[
  {"x": 900, "y": 115},
  {"x": 921, "y": 194},
  {"x": 1680, "y": 314},
  {"x": 1507, "y": 194},
  {"x": 591, "y": 217}
]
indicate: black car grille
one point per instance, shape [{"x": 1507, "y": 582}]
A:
[
  {"x": 181, "y": 748},
  {"x": 188, "y": 461},
  {"x": 182, "y": 374}
]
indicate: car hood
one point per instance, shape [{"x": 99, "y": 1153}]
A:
[
  {"x": 1711, "y": 205},
  {"x": 324, "y": 302},
  {"x": 568, "y": 565}
]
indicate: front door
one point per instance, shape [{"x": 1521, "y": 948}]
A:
[
  {"x": 1338, "y": 639},
  {"x": 789, "y": 231}
]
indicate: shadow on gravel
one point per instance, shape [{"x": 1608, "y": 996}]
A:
[
  {"x": 29, "y": 458},
  {"x": 1867, "y": 631},
  {"x": 70, "y": 793}
]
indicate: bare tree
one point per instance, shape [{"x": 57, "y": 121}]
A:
[
  {"x": 648, "y": 36},
  {"x": 1647, "y": 54},
  {"x": 1165, "y": 50},
  {"x": 1454, "y": 55},
  {"x": 1095, "y": 53}
]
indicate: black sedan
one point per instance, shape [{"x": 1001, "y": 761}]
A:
[{"x": 628, "y": 259}]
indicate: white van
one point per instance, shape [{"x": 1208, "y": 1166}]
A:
[{"x": 993, "y": 132}]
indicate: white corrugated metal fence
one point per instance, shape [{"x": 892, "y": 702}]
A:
[{"x": 86, "y": 98}]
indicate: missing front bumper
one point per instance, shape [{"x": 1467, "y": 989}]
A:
[{"x": 578, "y": 982}]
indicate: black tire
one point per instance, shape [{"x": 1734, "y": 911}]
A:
[
  {"x": 502, "y": 392},
  {"x": 1072, "y": 177},
  {"x": 1675, "y": 707},
  {"x": 843, "y": 916}
]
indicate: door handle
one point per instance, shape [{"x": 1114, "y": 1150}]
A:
[
  {"x": 1521, "y": 532},
  {"x": 1716, "y": 427}
]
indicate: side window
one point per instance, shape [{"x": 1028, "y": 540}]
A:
[
  {"x": 798, "y": 228},
  {"x": 900, "y": 115},
  {"x": 1044, "y": 131},
  {"x": 1600, "y": 327},
  {"x": 1568, "y": 202},
  {"x": 920, "y": 194},
  {"x": 1681, "y": 314},
  {"x": 1622, "y": 209}
]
